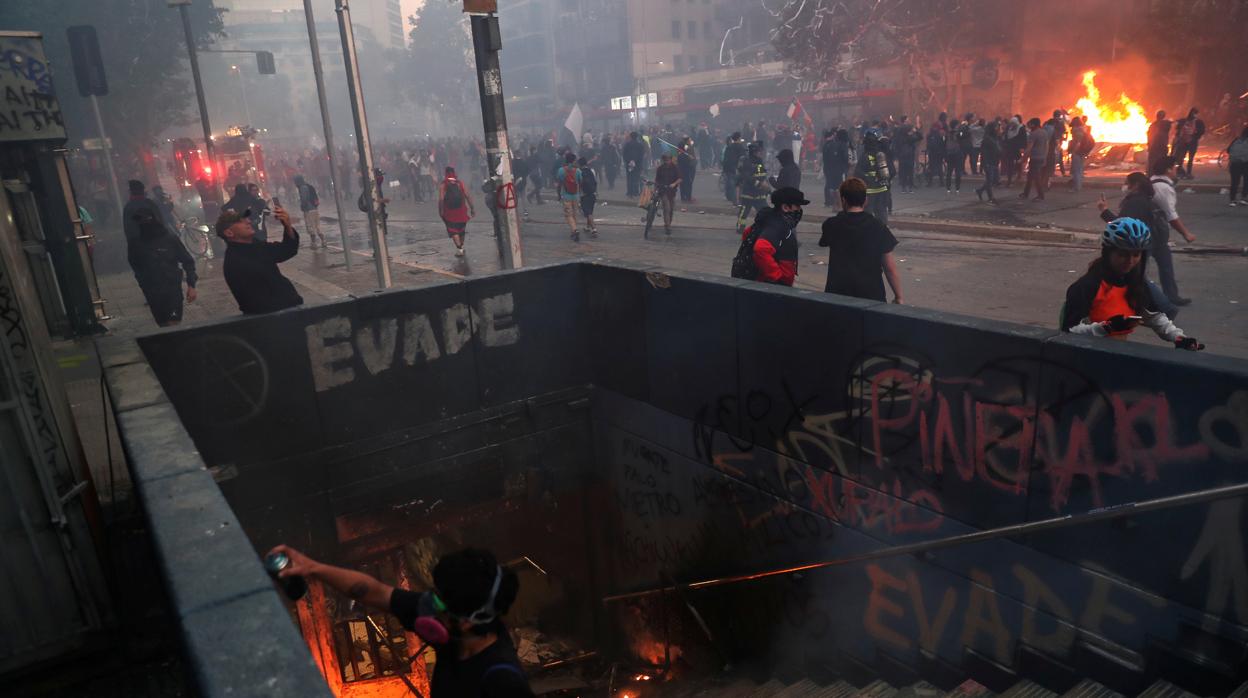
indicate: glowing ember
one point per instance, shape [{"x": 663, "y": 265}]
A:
[{"x": 1124, "y": 122}]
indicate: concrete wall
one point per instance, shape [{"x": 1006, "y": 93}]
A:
[{"x": 626, "y": 426}]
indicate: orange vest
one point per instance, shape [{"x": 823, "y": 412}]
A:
[{"x": 1110, "y": 300}]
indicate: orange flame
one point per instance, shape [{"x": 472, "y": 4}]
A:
[{"x": 1124, "y": 122}]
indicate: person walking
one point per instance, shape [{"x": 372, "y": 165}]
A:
[
  {"x": 250, "y": 267},
  {"x": 1187, "y": 134},
  {"x": 1237, "y": 152},
  {"x": 734, "y": 154},
  {"x": 990, "y": 162},
  {"x": 309, "y": 205},
  {"x": 568, "y": 183},
  {"x": 455, "y": 208},
  {"x": 634, "y": 157},
  {"x": 160, "y": 264},
  {"x": 687, "y": 161},
  {"x": 1037, "y": 154},
  {"x": 667, "y": 179},
  {"x": 589, "y": 195},
  {"x": 1112, "y": 298},
  {"x": 860, "y": 248},
  {"x": 1166, "y": 199},
  {"x": 1158, "y": 139},
  {"x": 955, "y": 157}
]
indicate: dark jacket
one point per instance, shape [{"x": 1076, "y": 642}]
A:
[
  {"x": 159, "y": 260},
  {"x": 308, "y": 199},
  {"x": 775, "y": 251},
  {"x": 634, "y": 151},
  {"x": 857, "y": 243},
  {"x": 734, "y": 153},
  {"x": 790, "y": 174},
  {"x": 251, "y": 272},
  {"x": 136, "y": 209}
]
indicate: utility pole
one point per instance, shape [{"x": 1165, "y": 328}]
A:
[
  {"x": 486, "y": 43},
  {"x": 376, "y": 223},
  {"x": 319, "y": 75},
  {"x": 199, "y": 94}
]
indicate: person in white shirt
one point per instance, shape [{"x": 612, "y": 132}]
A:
[{"x": 1165, "y": 198}]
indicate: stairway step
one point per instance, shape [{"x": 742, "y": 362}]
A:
[
  {"x": 1088, "y": 688},
  {"x": 801, "y": 689},
  {"x": 769, "y": 689},
  {"x": 1028, "y": 689},
  {"x": 840, "y": 689},
  {"x": 922, "y": 689},
  {"x": 970, "y": 689},
  {"x": 877, "y": 689},
  {"x": 1165, "y": 689}
]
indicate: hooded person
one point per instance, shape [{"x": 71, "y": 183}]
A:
[
  {"x": 471, "y": 594},
  {"x": 775, "y": 237},
  {"x": 790, "y": 174},
  {"x": 160, "y": 262}
]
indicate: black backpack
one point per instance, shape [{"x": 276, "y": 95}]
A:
[
  {"x": 454, "y": 197},
  {"x": 589, "y": 183},
  {"x": 363, "y": 202},
  {"x": 743, "y": 265}
]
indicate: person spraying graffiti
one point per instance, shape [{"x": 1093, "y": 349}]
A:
[
  {"x": 1112, "y": 298},
  {"x": 471, "y": 594}
]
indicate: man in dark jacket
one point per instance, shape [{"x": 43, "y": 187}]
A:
[
  {"x": 790, "y": 174},
  {"x": 775, "y": 249},
  {"x": 734, "y": 151},
  {"x": 634, "y": 153},
  {"x": 1187, "y": 134},
  {"x": 860, "y": 248},
  {"x": 250, "y": 267},
  {"x": 159, "y": 260}
]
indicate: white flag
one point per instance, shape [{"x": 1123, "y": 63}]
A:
[
  {"x": 575, "y": 122},
  {"x": 714, "y": 110}
]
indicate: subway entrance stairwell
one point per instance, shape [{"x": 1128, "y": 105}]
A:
[{"x": 627, "y": 429}]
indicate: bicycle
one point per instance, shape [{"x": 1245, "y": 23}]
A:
[
  {"x": 195, "y": 238},
  {"x": 651, "y": 197}
]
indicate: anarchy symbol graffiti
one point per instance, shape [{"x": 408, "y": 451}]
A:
[{"x": 232, "y": 379}]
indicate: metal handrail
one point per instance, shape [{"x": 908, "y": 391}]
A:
[{"x": 1102, "y": 514}]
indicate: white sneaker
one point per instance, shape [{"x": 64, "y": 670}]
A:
[
  {"x": 459, "y": 252},
  {"x": 1243, "y": 202},
  {"x": 1233, "y": 204}
]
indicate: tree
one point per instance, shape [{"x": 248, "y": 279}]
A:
[
  {"x": 440, "y": 66},
  {"x": 144, "y": 52}
]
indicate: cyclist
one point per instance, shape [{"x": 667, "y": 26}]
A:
[
  {"x": 1112, "y": 298},
  {"x": 751, "y": 184}
]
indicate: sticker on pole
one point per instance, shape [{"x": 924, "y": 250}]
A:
[{"x": 493, "y": 82}]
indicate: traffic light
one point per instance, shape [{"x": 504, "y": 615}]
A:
[
  {"x": 264, "y": 61},
  {"x": 84, "y": 51}
]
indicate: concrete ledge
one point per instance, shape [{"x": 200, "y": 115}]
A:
[
  {"x": 118, "y": 351},
  {"x": 133, "y": 386}
]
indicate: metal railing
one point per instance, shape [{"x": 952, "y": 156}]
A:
[{"x": 1117, "y": 511}]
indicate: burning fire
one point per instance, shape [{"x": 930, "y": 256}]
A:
[{"x": 1121, "y": 123}]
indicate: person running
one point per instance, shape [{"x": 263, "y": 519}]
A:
[
  {"x": 860, "y": 249},
  {"x": 568, "y": 182},
  {"x": 667, "y": 179},
  {"x": 471, "y": 594},
  {"x": 751, "y": 184},
  {"x": 1112, "y": 298},
  {"x": 160, "y": 261},
  {"x": 589, "y": 195},
  {"x": 1237, "y": 152},
  {"x": 455, "y": 207}
]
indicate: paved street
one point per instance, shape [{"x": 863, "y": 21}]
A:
[{"x": 1013, "y": 277}]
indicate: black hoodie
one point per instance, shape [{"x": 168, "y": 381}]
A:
[{"x": 857, "y": 243}]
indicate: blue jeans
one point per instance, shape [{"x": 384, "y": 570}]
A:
[{"x": 1076, "y": 171}]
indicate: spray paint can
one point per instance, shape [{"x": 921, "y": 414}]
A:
[{"x": 294, "y": 585}]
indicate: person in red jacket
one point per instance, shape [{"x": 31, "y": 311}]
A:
[
  {"x": 775, "y": 249},
  {"x": 455, "y": 207}
]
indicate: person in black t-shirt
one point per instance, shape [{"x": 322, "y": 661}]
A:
[
  {"x": 471, "y": 594},
  {"x": 860, "y": 248}
]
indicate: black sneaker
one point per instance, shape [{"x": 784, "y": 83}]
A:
[{"x": 576, "y": 236}]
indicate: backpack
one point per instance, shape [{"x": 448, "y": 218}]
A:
[
  {"x": 1238, "y": 150},
  {"x": 454, "y": 197},
  {"x": 1086, "y": 144},
  {"x": 362, "y": 202},
  {"x": 589, "y": 182},
  {"x": 569, "y": 180},
  {"x": 743, "y": 265}
]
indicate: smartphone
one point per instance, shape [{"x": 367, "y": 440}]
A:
[{"x": 276, "y": 204}]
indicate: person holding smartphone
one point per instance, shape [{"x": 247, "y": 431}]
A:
[
  {"x": 250, "y": 267},
  {"x": 1112, "y": 298}
]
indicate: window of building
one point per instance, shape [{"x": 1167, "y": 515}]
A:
[
  {"x": 693, "y": 29},
  {"x": 679, "y": 63},
  {"x": 675, "y": 28}
]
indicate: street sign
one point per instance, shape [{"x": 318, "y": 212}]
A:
[
  {"x": 97, "y": 143},
  {"x": 84, "y": 52},
  {"x": 30, "y": 110},
  {"x": 481, "y": 6}
]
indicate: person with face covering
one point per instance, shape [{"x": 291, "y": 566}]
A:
[
  {"x": 471, "y": 594},
  {"x": 775, "y": 230},
  {"x": 159, "y": 260}
]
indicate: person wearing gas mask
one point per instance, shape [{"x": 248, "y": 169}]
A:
[
  {"x": 774, "y": 234},
  {"x": 471, "y": 594}
]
